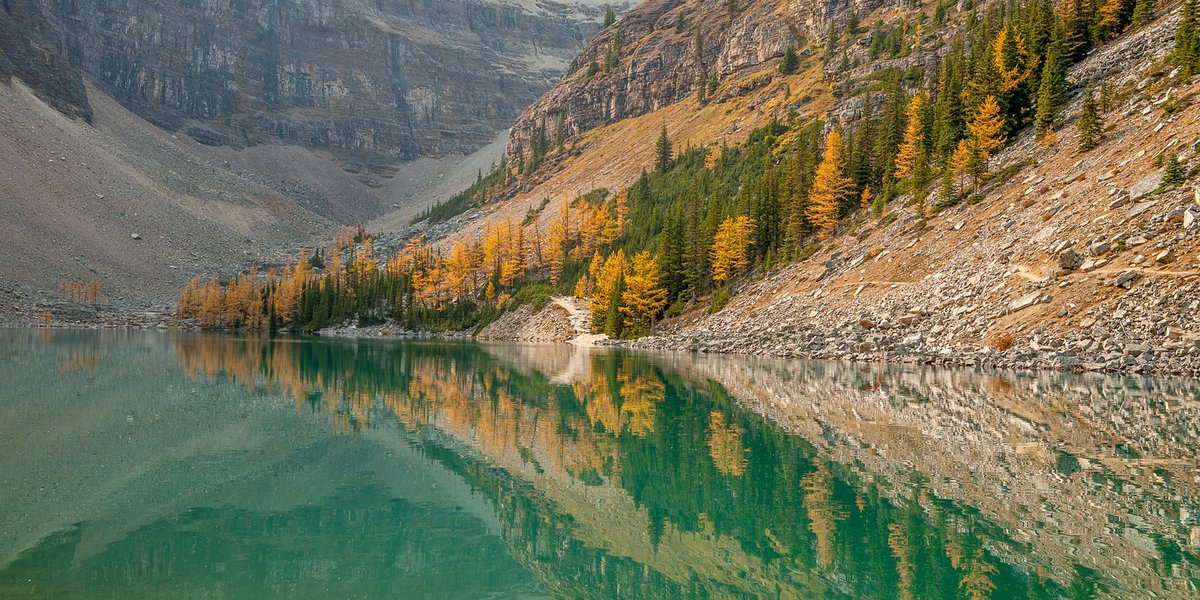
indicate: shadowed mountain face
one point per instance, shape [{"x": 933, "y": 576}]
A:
[
  {"x": 241, "y": 467},
  {"x": 384, "y": 80}
]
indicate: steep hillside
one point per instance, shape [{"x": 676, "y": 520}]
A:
[
  {"x": 664, "y": 51},
  {"x": 1000, "y": 185},
  {"x": 255, "y": 126},
  {"x": 1074, "y": 260},
  {"x": 1063, "y": 258},
  {"x": 75, "y": 195}
]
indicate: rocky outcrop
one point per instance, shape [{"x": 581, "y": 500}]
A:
[
  {"x": 661, "y": 51},
  {"x": 33, "y": 49},
  {"x": 390, "y": 80}
]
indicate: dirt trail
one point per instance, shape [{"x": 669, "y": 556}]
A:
[{"x": 581, "y": 321}]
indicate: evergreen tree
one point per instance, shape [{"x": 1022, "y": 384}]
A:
[
  {"x": 1014, "y": 66},
  {"x": 609, "y": 17},
  {"x": 948, "y": 123},
  {"x": 1143, "y": 12},
  {"x": 1052, "y": 93},
  {"x": 663, "y": 155},
  {"x": 1173, "y": 172},
  {"x": 614, "y": 324},
  {"x": 1090, "y": 125},
  {"x": 1187, "y": 39},
  {"x": 790, "y": 62},
  {"x": 1078, "y": 29}
]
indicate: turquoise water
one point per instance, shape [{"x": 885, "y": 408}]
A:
[{"x": 204, "y": 466}]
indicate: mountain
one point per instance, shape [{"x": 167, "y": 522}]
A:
[
  {"x": 382, "y": 80},
  {"x": 221, "y": 133},
  {"x": 1006, "y": 185}
]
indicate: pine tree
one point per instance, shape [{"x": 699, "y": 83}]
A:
[
  {"x": 609, "y": 17},
  {"x": 914, "y": 140},
  {"x": 1090, "y": 125},
  {"x": 1173, "y": 172},
  {"x": 1052, "y": 93},
  {"x": 614, "y": 325},
  {"x": 1078, "y": 29},
  {"x": 1187, "y": 39},
  {"x": 790, "y": 62},
  {"x": 664, "y": 156},
  {"x": 948, "y": 121},
  {"x": 829, "y": 187},
  {"x": 1143, "y": 12}
]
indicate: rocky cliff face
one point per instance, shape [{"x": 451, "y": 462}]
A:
[
  {"x": 665, "y": 49},
  {"x": 33, "y": 48},
  {"x": 392, "y": 79}
]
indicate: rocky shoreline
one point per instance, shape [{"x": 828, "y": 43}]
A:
[
  {"x": 389, "y": 330},
  {"x": 1138, "y": 359}
]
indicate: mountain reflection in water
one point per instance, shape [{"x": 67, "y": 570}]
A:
[{"x": 183, "y": 465}]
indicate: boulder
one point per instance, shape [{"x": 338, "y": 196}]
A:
[
  {"x": 1069, "y": 259},
  {"x": 1141, "y": 207},
  {"x": 1025, "y": 301},
  {"x": 1099, "y": 248},
  {"x": 1126, "y": 280},
  {"x": 1145, "y": 187},
  {"x": 1166, "y": 256}
]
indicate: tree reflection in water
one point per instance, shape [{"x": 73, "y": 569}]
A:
[{"x": 624, "y": 475}]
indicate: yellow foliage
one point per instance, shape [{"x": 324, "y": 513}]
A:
[
  {"x": 829, "y": 186},
  {"x": 977, "y": 582},
  {"x": 714, "y": 155},
  {"x": 987, "y": 127},
  {"x": 730, "y": 248},
  {"x": 80, "y": 292},
  {"x": 606, "y": 276},
  {"x": 644, "y": 298},
  {"x": 725, "y": 445},
  {"x": 1015, "y": 66},
  {"x": 914, "y": 134}
]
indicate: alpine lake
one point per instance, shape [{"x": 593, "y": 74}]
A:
[{"x": 177, "y": 465}]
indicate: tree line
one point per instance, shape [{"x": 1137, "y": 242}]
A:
[{"x": 699, "y": 218}]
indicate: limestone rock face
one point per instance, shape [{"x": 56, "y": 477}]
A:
[
  {"x": 389, "y": 79},
  {"x": 33, "y": 48},
  {"x": 664, "y": 49}
]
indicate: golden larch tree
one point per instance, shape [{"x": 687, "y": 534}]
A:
[
  {"x": 731, "y": 248},
  {"x": 987, "y": 127},
  {"x": 606, "y": 276},
  {"x": 914, "y": 136},
  {"x": 190, "y": 298},
  {"x": 829, "y": 187},
  {"x": 1011, "y": 59},
  {"x": 644, "y": 298}
]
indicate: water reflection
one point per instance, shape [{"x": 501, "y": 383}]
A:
[{"x": 610, "y": 474}]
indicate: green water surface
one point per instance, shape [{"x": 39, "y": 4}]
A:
[{"x": 156, "y": 465}]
